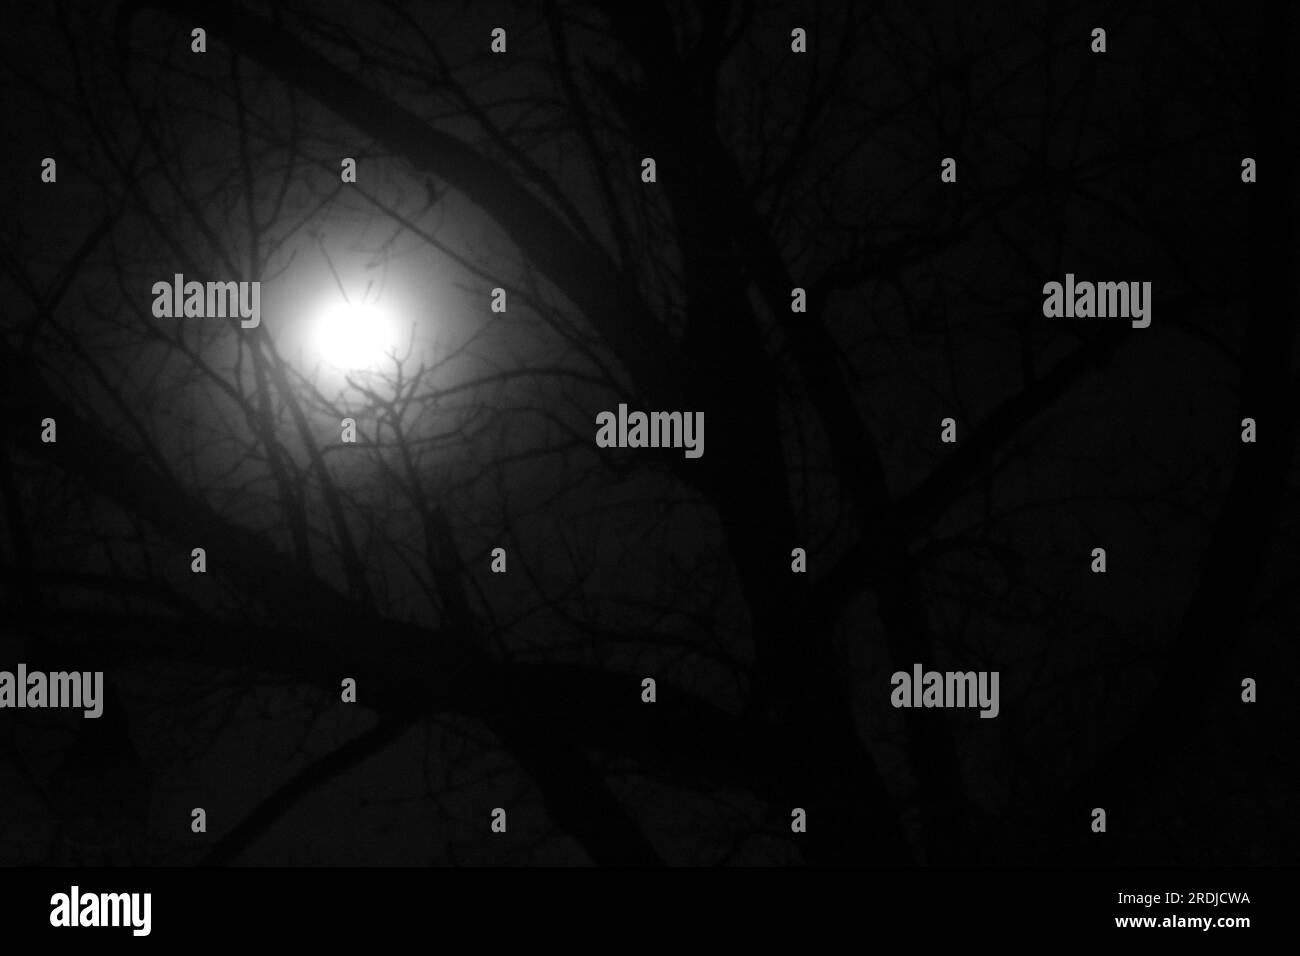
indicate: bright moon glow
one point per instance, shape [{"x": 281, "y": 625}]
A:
[{"x": 356, "y": 335}]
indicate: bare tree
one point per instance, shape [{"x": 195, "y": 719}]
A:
[{"x": 777, "y": 171}]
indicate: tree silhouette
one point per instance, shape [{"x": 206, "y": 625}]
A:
[{"x": 776, "y": 171}]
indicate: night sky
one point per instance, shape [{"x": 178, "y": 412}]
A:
[{"x": 801, "y": 271}]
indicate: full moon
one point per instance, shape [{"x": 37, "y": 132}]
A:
[{"x": 356, "y": 335}]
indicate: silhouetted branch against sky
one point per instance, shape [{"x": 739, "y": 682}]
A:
[{"x": 655, "y": 432}]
